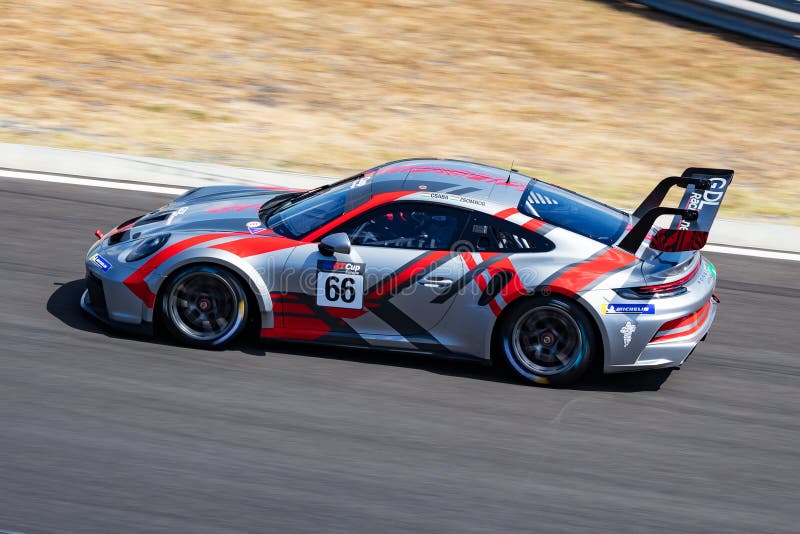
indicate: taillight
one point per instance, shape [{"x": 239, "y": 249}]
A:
[{"x": 670, "y": 289}]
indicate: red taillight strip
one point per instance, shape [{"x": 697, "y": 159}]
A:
[
  {"x": 669, "y": 286},
  {"x": 688, "y": 325}
]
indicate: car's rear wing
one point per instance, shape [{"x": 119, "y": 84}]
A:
[{"x": 705, "y": 189}]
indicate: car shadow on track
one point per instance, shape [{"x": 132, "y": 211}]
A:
[{"x": 64, "y": 305}]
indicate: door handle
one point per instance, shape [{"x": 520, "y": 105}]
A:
[{"x": 435, "y": 282}]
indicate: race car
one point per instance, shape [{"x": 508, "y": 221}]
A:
[{"x": 440, "y": 257}]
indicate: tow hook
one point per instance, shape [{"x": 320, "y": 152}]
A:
[{"x": 98, "y": 233}]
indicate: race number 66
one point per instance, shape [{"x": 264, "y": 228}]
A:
[{"x": 340, "y": 290}]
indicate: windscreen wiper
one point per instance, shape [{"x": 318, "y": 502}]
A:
[{"x": 271, "y": 206}]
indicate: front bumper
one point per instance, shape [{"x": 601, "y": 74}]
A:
[{"x": 94, "y": 301}]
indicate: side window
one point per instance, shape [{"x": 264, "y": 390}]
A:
[
  {"x": 490, "y": 234},
  {"x": 414, "y": 225}
]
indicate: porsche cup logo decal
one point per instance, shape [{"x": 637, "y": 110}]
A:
[{"x": 627, "y": 333}]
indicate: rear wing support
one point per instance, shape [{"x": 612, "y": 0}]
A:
[
  {"x": 705, "y": 189},
  {"x": 637, "y": 234},
  {"x": 659, "y": 193}
]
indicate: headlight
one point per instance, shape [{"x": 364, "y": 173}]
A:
[{"x": 147, "y": 247}]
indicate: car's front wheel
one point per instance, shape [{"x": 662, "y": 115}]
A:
[
  {"x": 547, "y": 340},
  {"x": 204, "y": 306}
]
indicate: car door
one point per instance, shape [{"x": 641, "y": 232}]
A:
[{"x": 399, "y": 262}]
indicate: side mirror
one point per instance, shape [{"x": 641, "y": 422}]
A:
[{"x": 335, "y": 243}]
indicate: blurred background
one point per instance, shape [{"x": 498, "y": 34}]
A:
[{"x": 603, "y": 97}]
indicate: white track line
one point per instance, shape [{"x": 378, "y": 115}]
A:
[
  {"x": 756, "y": 253},
  {"x": 110, "y": 184},
  {"x": 91, "y": 182}
]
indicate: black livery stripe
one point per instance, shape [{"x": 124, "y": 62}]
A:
[{"x": 462, "y": 282}]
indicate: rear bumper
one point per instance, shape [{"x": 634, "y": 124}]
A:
[{"x": 671, "y": 350}]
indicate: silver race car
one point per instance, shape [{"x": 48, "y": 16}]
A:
[{"x": 434, "y": 256}]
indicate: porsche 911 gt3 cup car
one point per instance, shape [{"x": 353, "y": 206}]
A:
[{"x": 435, "y": 256}]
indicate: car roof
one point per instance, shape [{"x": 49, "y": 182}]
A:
[{"x": 476, "y": 180}]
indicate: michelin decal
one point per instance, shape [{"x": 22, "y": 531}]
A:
[{"x": 639, "y": 309}]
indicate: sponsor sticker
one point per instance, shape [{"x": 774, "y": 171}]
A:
[
  {"x": 364, "y": 180},
  {"x": 639, "y": 309},
  {"x": 455, "y": 198},
  {"x": 627, "y": 333},
  {"x": 182, "y": 210},
  {"x": 255, "y": 227},
  {"x": 100, "y": 261}
]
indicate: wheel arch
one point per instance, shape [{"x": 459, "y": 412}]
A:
[
  {"x": 253, "y": 283},
  {"x": 599, "y": 332}
]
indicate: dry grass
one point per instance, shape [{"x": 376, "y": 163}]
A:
[{"x": 591, "y": 94}]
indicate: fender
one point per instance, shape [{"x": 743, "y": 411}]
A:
[{"x": 240, "y": 266}]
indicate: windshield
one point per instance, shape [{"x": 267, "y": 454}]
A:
[
  {"x": 301, "y": 215},
  {"x": 574, "y": 212}
]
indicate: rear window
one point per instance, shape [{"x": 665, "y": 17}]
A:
[
  {"x": 574, "y": 212},
  {"x": 490, "y": 234}
]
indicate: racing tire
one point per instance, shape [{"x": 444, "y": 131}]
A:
[
  {"x": 204, "y": 306},
  {"x": 546, "y": 340}
]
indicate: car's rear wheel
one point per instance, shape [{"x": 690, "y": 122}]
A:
[
  {"x": 204, "y": 306},
  {"x": 547, "y": 340}
]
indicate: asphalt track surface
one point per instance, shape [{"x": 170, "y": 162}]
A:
[{"x": 107, "y": 433}]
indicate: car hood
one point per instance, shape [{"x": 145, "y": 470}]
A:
[{"x": 205, "y": 209}]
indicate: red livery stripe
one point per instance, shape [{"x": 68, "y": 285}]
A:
[
  {"x": 283, "y": 296},
  {"x": 294, "y": 333},
  {"x": 506, "y": 213},
  {"x": 255, "y": 245},
  {"x": 534, "y": 224},
  {"x": 469, "y": 260},
  {"x": 345, "y": 313},
  {"x": 578, "y": 277},
  {"x": 513, "y": 290},
  {"x": 393, "y": 283},
  {"x": 292, "y": 307},
  {"x": 136, "y": 281}
]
